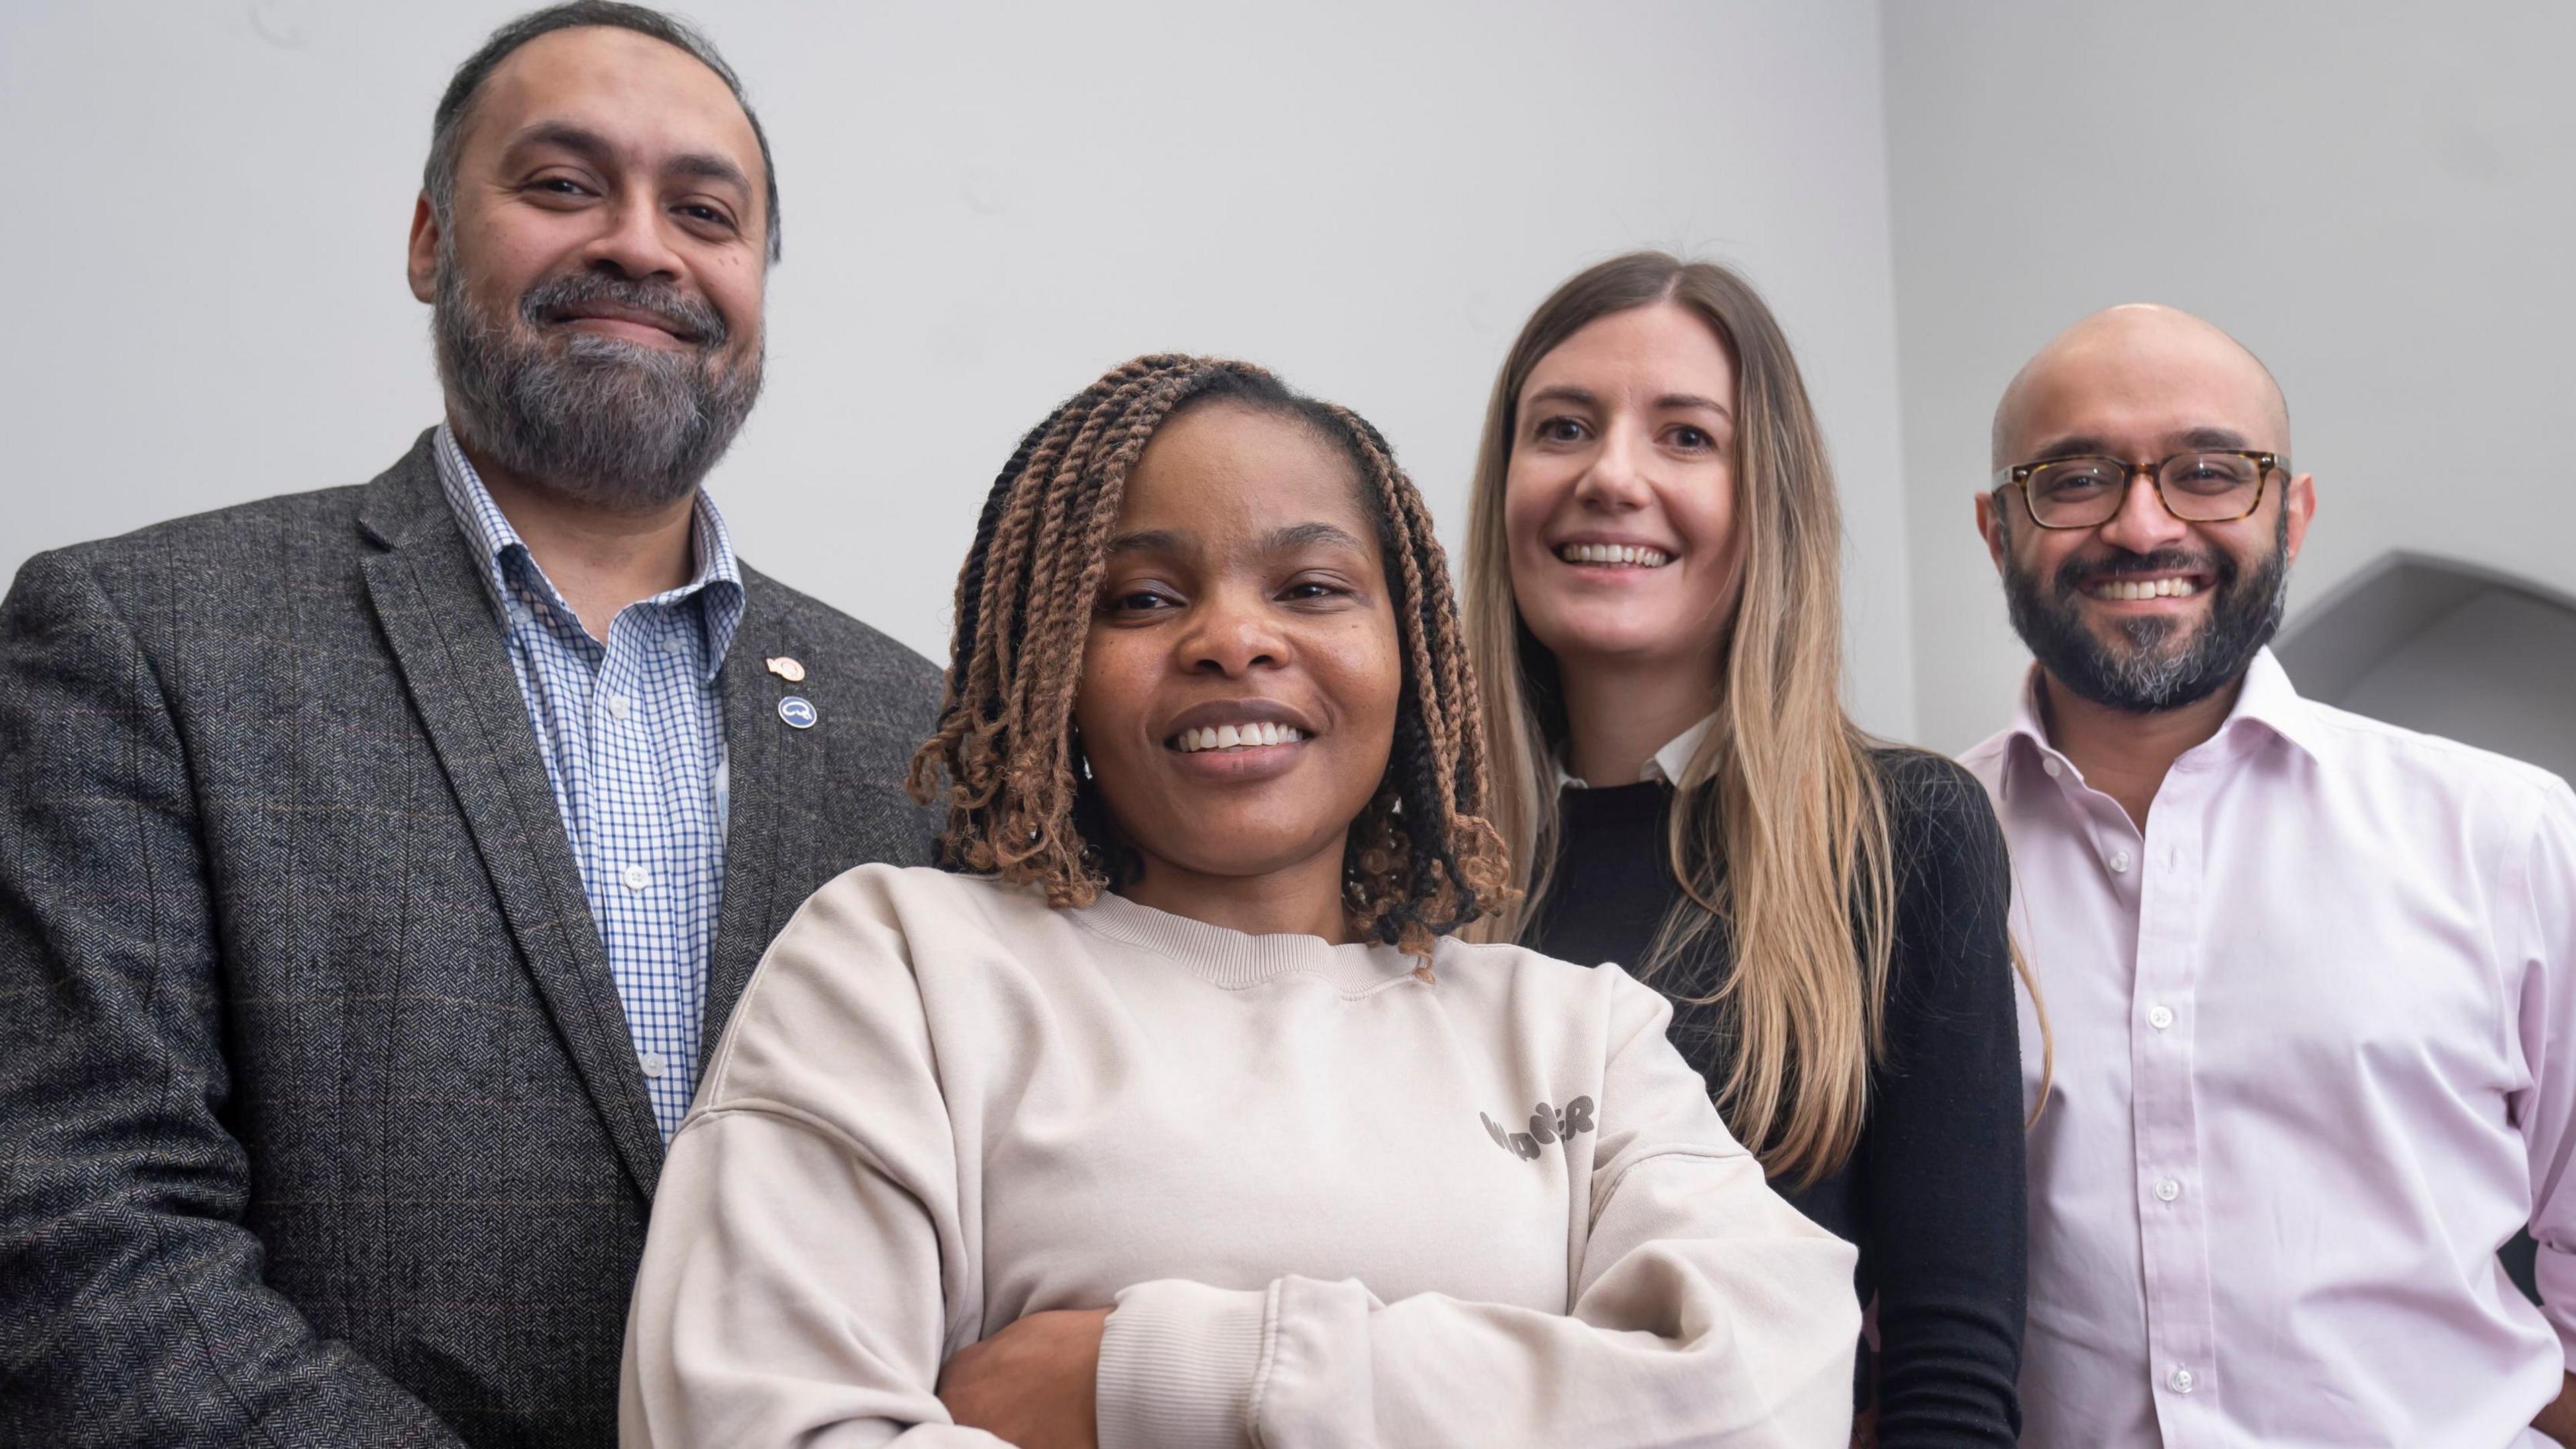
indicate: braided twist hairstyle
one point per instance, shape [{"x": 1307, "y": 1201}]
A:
[{"x": 1421, "y": 861}]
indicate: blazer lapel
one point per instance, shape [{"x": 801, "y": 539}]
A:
[
  {"x": 436, "y": 612},
  {"x": 770, "y": 769}
]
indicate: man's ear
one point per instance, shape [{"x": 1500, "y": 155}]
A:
[
  {"x": 2301, "y": 500},
  {"x": 422, "y": 262},
  {"x": 1992, "y": 528}
]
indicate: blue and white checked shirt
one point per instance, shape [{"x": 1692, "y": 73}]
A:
[{"x": 633, "y": 736}]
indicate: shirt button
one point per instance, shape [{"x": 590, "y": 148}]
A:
[
  {"x": 2167, "y": 1189},
  {"x": 636, "y": 877},
  {"x": 2160, "y": 1017},
  {"x": 2120, "y": 861},
  {"x": 618, "y": 705},
  {"x": 2181, "y": 1380},
  {"x": 652, "y": 1063},
  {"x": 2053, "y": 768}
]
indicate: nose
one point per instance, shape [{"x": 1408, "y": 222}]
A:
[
  {"x": 1233, "y": 633},
  {"x": 636, "y": 242},
  {"x": 1615, "y": 481},
  {"x": 2142, "y": 525}
]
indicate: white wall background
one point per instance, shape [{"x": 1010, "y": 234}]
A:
[
  {"x": 2378, "y": 198},
  {"x": 984, "y": 207}
]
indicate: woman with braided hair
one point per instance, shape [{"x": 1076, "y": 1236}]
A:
[{"x": 1176, "y": 1114}]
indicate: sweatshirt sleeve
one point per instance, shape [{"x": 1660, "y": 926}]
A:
[
  {"x": 1706, "y": 1310},
  {"x": 799, "y": 1274}
]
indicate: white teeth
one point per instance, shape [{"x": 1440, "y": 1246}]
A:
[
  {"x": 1237, "y": 737},
  {"x": 1632, "y": 555},
  {"x": 2123, "y": 589}
]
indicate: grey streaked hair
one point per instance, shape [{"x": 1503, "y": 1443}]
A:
[{"x": 447, "y": 126}]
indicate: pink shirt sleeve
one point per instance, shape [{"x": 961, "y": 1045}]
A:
[{"x": 2540, "y": 931}]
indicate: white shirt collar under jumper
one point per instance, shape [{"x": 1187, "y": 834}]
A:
[
  {"x": 1668, "y": 764},
  {"x": 2315, "y": 1033}
]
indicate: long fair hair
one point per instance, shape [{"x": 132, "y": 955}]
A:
[
  {"x": 1421, "y": 859},
  {"x": 1780, "y": 833}
]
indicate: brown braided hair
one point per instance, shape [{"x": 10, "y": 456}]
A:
[{"x": 1421, "y": 860}]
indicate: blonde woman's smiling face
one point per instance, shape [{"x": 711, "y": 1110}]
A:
[{"x": 1619, "y": 504}]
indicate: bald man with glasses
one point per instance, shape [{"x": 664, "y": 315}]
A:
[{"x": 2309, "y": 975}]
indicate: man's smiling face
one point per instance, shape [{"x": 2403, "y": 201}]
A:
[
  {"x": 598, "y": 275},
  {"x": 2144, "y": 611}
]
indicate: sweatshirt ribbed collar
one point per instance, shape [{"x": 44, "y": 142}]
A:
[{"x": 1233, "y": 960}]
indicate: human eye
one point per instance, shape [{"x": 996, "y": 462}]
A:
[
  {"x": 707, "y": 216},
  {"x": 2074, "y": 478},
  {"x": 2211, "y": 473},
  {"x": 1560, "y": 429},
  {"x": 557, "y": 184},
  {"x": 1136, "y": 601},
  {"x": 1691, "y": 439},
  {"x": 1314, "y": 590}
]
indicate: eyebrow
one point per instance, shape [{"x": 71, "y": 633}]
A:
[
  {"x": 2088, "y": 446},
  {"x": 1580, "y": 397},
  {"x": 1150, "y": 540},
  {"x": 1585, "y": 397},
  {"x": 594, "y": 147},
  {"x": 2213, "y": 438},
  {"x": 1310, "y": 535},
  {"x": 1278, "y": 540}
]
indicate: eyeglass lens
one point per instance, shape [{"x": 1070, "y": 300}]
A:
[{"x": 2196, "y": 487}]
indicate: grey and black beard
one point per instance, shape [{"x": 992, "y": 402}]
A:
[
  {"x": 2152, "y": 671},
  {"x": 599, "y": 419}
]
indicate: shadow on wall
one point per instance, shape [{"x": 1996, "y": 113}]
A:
[{"x": 2451, "y": 649}]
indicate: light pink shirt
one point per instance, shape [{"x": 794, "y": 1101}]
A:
[{"x": 2315, "y": 1062}]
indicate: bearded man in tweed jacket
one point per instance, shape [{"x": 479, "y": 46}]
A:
[{"x": 377, "y": 865}]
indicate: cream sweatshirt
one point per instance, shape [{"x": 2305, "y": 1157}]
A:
[{"x": 1333, "y": 1204}]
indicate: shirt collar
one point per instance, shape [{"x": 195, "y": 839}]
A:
[
  {"x": 2267, "y": 703},
  {"x": 718, "y": 581},
  {"x": 1668, "y": 764},
  {"x": 2271, "y": 702}
]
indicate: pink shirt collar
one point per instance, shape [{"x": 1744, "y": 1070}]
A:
[{"x": 2267, "y": 703}]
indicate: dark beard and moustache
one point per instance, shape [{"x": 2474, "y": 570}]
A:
[
  {"x": 2153, "y": 673},
  {"x": 598, "y": 419}
]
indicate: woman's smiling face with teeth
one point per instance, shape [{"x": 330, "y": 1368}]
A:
[
  {"x": 1241, "y": 675},
  {"x": 1619, "y": 501}
]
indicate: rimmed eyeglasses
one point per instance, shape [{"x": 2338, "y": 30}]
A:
[{"x": 2206, "y": 485}]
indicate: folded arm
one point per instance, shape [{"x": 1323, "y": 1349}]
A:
[
  {"x": 1705, "y": 1310},
  {"x": 1711, "y": 1313},
  {"x": 799, "y": 1275}
]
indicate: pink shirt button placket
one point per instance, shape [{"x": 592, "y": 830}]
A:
[{"x": 2173, "y": 1228}]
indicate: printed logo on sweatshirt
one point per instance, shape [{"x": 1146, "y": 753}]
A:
[{"x": 1546, "y": 1125}]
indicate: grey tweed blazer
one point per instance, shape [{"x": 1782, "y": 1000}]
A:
[{"x": 319, "y": 1121}]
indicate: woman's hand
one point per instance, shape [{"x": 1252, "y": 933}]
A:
[{"x": 1031, "y": 1383}]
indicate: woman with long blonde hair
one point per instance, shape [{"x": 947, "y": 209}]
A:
[{"x": 1653, "y": 608}]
